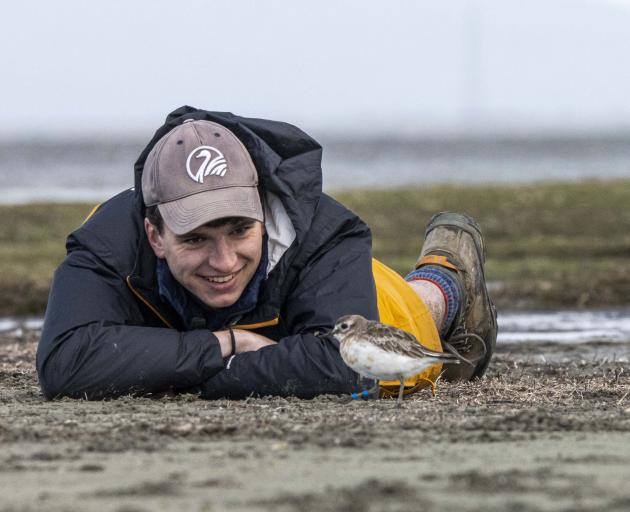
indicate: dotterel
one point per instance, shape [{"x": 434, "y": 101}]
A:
[{"x": 384, "y": 352}]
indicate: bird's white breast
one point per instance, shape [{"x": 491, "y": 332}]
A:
[{"x": 374, "y": 362}]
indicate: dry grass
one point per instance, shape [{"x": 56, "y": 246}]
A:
[{"x": 528, "y": 388}]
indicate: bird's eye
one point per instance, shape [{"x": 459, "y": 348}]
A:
[{"x": 344, "y": 326}]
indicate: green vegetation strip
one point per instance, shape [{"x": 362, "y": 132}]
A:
[{"x": 548, "y": 245}]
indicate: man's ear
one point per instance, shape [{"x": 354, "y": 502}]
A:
[{"x": 155, "y": 238}]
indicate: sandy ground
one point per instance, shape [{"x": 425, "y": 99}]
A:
[{"x": 547, "y": 429}]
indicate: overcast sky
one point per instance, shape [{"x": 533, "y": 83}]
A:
[{"x": 73, "y": 67}]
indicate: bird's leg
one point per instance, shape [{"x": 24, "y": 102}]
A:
[
  {"x": 400, "y": 391},
  {"x": 432, "y": 384},
  {"x": 374, "y": 391}
]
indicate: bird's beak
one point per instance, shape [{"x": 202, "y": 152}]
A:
[{"x": 334, "y": 333}]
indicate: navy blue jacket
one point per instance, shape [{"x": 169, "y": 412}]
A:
[{"x": 107, "y": 332}]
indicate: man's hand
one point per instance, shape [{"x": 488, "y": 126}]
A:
[{"x": 246, "y": 341}]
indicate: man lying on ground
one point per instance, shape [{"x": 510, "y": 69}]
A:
[{"x": 224, "y": 269}]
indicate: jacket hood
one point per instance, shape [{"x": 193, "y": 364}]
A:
[
  {"x": 303, "y": 224},
  {"x": 288, "y": 161}
]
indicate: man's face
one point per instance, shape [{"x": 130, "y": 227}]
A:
[{"x": 213, "y": 262}]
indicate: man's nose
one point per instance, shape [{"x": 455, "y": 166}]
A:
[{"x": 223, "y": 259}]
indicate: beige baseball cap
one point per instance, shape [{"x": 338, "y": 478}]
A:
[{"x": 200, "y": 172}]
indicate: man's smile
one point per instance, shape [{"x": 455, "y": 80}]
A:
[
  {"x": 224, "y": 279},
  {"x": 221, "y": 279}
]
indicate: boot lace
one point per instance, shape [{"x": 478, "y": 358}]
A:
[{"x": 463, "y": 342}]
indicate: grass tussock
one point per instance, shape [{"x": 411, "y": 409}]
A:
[
  {"x": 548, "y": 245},
  {"x": 32, "y": 244}
]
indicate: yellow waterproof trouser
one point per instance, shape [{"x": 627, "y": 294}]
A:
[{"x": 400, "y": 306}]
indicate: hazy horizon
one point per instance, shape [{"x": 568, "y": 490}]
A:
[{"x": 76, "y": 69}]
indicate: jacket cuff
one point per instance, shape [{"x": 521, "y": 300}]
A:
[
  {"x": 205, "y": 349},
  {"x": 214, "y": 362}
]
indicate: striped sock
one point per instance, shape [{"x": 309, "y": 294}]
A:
[{"x": 447, "y": 283}]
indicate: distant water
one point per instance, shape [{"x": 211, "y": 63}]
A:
[
  {"x": 91, "y": 171},
  {"x": 583, "y": 326}
]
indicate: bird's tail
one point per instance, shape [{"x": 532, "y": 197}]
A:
[{"x": 447, "y": 357}]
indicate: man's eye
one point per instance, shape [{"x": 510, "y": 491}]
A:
[
  {"x": 193, "y": 240},
  {"x": 241, "y": 230}
]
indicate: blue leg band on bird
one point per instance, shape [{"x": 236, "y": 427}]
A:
[{"x": 365, "y": 394}]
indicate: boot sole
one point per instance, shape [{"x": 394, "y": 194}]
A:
[{"x": 491, "y": 343}]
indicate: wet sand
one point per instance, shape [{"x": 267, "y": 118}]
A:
[{"x": 547, "y": 429}]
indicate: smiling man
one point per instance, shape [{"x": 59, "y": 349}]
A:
[
  {"x": 223, "y": 271},
  {"x": 215, "y": 262}
]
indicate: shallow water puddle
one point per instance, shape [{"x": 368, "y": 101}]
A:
[
  {"x": 19, "y": 324},
  {"x": 567, "y": 326},
  {"x": 579, "y": 326}
]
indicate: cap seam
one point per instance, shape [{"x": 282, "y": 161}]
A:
[
  {"x": 210, "y": 190},
  {"x": 157, "y": 162},
  {"x": 199, "y": 141}
]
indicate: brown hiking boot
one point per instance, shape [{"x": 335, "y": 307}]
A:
[{"x": 454, "y": 241}]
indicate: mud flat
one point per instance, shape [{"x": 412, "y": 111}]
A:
[{"x": 547, "y": 429}]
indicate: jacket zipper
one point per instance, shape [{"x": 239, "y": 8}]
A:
[
  {"x": 147, "y": 303},
  {"x": 258, "y": 325}
]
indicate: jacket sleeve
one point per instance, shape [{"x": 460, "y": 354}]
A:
[
  {"x": 94, "y": 345},
  {"x": 336, "y": 282}
]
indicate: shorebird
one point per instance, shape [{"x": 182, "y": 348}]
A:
[{"x": 384, "y": 352}]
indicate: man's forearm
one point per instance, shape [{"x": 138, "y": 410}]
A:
[
  {"x": 301, "y": 365},
  {"x": 102, "y": 360}
]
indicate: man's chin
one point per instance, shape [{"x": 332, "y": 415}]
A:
[
  {"x": 217, "y": 299},
  {"x": 218, "y": 302}
]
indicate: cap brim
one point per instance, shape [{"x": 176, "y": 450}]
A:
[{"x": 184, "y": 215}]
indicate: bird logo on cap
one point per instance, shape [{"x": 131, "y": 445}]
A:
[{"x": 213, "y": 164}]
